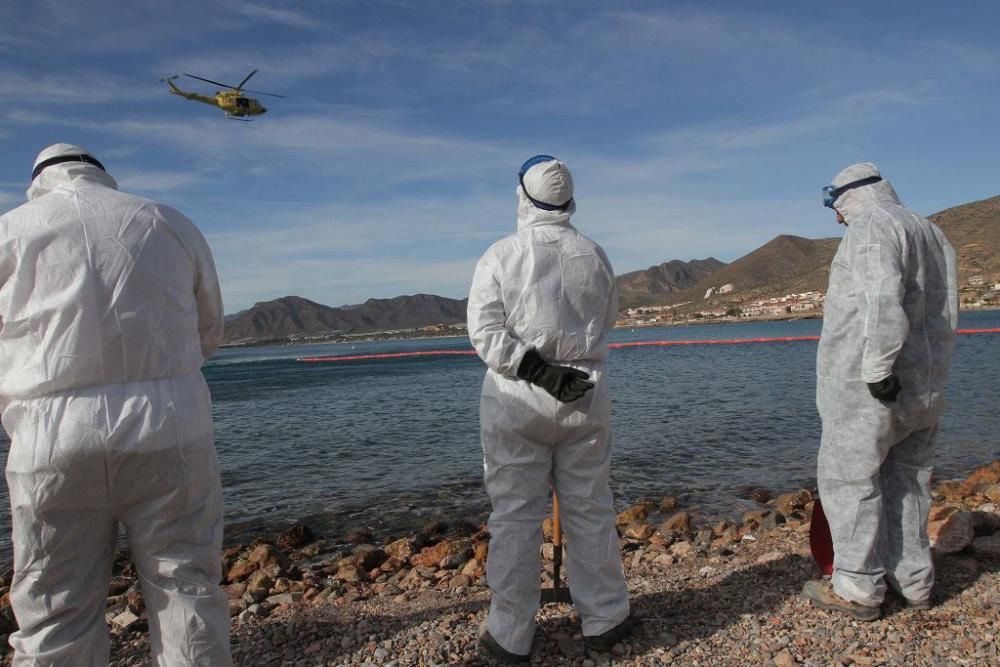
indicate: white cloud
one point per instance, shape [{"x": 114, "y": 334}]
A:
[
  {"x": 286, "y": 17},
  {"x": 144, "y": 182},
  {"x": 89, "y": 88}
]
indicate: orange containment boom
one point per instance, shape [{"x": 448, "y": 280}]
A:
[{"x": 613, "y": 346}]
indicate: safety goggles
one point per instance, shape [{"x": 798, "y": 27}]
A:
[
  {"x": 528, "y": 164},
  {"x": 832, "y": 193}
]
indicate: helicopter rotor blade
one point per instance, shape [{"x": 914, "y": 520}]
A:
[
  {"x": 260, "y": 92},
  {"x": 224, "y": 85},
  {"x": 240, "y": 87}
]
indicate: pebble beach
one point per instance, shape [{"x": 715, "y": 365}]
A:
[{"x": 706, "y": 592}]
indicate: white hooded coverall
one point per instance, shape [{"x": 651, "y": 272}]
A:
[
  {"x": 550, "y": 288},
  {"x": 891, "y": 307},
  {"x": 109, "y": 304}
]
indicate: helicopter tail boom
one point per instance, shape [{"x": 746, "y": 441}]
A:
[{"x": 186, "y": 95}]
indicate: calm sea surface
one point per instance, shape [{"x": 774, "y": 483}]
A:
[{"x": 391, "y": 444}]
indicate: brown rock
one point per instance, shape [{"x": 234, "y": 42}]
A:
[
  {"x": 263, "y": 556},
  {"x": 787, "y": 503},
  {"x": 941, "y": 512},
  {"x": 951, "y": 534},
  {"x": 241, "y": 569},
  {"x": 235, "y": 607},
  {"x": 992, "y": 492},
  {"x": 460, "y": 581},
  {"x": 400, "y": 549},
  {"x": 368, "y": 557},
  {"x": 784, "y": 659},
  {"x": 634, "y": 513},
  {"x": 659, "y": 541},
  {"x": 638, "y": 530},
  {"x": 950, "y": 490},
  {"x": 668, "y": 503},
  {"x": 350, "y": 573},
  {"x": 260, "y": 580},
  {"x": 234, "y": 591},
  {"x": 431, "y": 556},
  {"x": 119, "y": 585},
  {"x": 547, "y": 529},
  {"x": 981, "y": 478},
  {"x": 295, "y": 537},
  {"x": 682, "y": 549},
  {"x": 771, "y": 522},
  {"x": 391, "y": 565},
  {"x": 680, "y": 523},
  {"x": 134, "y": 602},
  {"x": 482, "y": 549},
  {"x": 473, "y": 568}
]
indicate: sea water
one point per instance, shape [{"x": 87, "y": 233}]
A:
[{"x": 390, "y": 444}]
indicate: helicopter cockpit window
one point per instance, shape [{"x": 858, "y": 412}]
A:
[{"x": 242, "y": 102}]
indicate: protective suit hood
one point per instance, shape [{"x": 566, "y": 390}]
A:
[
  {"x": 529, "y": 215},
  {"x": 67, "y": 172},
  {"x": 853, "y": 203}
]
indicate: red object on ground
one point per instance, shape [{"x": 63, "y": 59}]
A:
[
  {"x": 820, "y": 540},
  {"x": 613, "y": 346}
]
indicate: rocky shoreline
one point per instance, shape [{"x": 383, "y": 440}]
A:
[{"x": 718, "y": 593}]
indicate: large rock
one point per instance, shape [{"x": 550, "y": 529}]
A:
[
  {"x": 949, "y": 490},
  {"x": 981, "y": 479},
  {"x": 400, "y": 549},
  {"x": 638, "y": 530},
  {"x": 987, "y": 546},
  {"x": 950, "y": 531},
  {"x": 350, "y": 572},
  {"x": 678, "y": 523},
  {"x": 431, "y": 556},
  {"x": 635, "y": 513},
  {"x": 795, "y": 501},
  {"x": 263, "y": 556},
  {"x": 295, "y": 537},
  {"x": 368, "y": 556}
]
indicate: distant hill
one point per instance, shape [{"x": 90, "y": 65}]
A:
[
  {"x": 652, "y": 285},
  {"x": 783, "y": 265},
  {"x": 792, "y": 264},
  {"x": 293, "y": 315},
  {"x": 974, "y": 230}
]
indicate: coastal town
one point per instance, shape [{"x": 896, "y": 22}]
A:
[{"x": 976, "y": 292}]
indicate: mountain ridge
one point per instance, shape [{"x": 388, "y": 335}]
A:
[{"x": 784, "y": 265}]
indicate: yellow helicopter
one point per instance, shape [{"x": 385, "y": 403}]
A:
[{"x": 232, "y": 101}]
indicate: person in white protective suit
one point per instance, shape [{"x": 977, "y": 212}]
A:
[
  {"x": 540, "y": 306},
  {"x": 110, "y": 304},
  {"x": 888, "y": 332}
]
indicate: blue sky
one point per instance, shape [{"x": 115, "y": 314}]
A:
[{"x": 693, "y": 129}]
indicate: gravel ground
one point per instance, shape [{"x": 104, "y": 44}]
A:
[
  {"x": 737, "y": 609},
  {"x": 722, "y": 594},
  {"x": 727, "y": 594}
]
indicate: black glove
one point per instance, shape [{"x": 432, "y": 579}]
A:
[
  {"x": 565, "y": 383},
  {"x": 885, "y": 390}
]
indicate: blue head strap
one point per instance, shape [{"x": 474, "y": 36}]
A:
[
  {"x": 831, "y": 193},
  {"x": 528, "y": 164}
]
